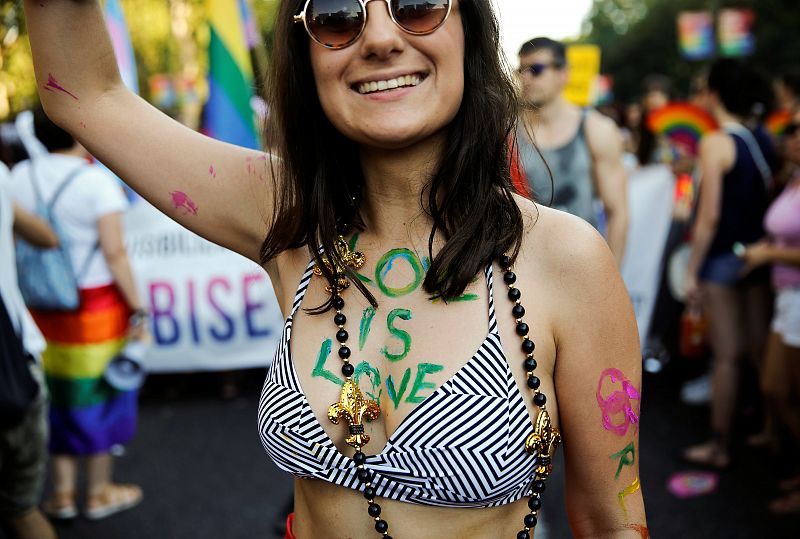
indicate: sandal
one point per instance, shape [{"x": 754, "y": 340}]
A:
[
  {"x": 708, "y": 455},
  {"x": 113, "y": 499},
  {"x": 786, "y": 505},
  {"x": 61, "y": 506}
]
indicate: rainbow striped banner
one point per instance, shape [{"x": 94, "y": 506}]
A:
[
  {"x": 228, "y": 114},
  {"x": 736, "y": 36},
  {"x": 120, "y": 38},
  {"x": 696, "y": 34}
]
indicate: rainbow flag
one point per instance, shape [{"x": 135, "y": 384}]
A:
[
  {"x": 87, "y": 415},
  {"x": 120, "y": 38},
  {"x": 696, "y": 34},
  {"x": 736, "y": 36},
  {"x": 777, "y": 121},
  {"x": 228, "y": 114},
  {"x": 682, "y": 124}
]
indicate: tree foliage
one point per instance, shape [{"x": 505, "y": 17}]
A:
[{"x": 639, "y": 37}]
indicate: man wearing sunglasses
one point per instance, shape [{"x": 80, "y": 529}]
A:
[{"x": 580, "y": 148}]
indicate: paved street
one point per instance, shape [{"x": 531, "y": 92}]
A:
[{"x": 205, "y": 475}]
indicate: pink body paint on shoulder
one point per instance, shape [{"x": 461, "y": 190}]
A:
[
  {"x": 181, "y": 201},
  {"x": 619, "y": 411},
  {"x": 52, "y": 84}
]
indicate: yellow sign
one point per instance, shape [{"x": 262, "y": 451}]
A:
[{"x": 584, "y": 68}]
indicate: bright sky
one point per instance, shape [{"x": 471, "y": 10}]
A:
[{"x": 521, "y": 20}]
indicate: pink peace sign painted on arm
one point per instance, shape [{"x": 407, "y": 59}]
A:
[{"x": 618, "y": 407}]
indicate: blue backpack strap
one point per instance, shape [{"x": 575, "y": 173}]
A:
[{"x": 64, "y": 184}]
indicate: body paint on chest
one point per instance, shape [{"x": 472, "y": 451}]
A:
[
  {"x": 364, "y": 327},
  {"x": 619, "y": 402},
  {"x": 423, "y": 369},
  {"x": 403, "y": 336},
  {"x": 319, "y": 368}
]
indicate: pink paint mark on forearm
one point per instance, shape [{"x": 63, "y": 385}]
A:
[
  {"x": 212, "y": 172},
  {"x": 181, "y": 201},
  {"x": 52, "y": 84},
  {"x": 619, "y": 410}
]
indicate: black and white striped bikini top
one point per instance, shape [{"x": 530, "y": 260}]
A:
[{"x": 463, "y": 446}]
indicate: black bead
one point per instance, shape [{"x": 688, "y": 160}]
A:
[
  {"x": 518, "y": 311},
  {"x": 374, "y": 510},
  {"x": 369, "y": 493},
  {"x": 530, "y": 521},
  {"x": 528, "y": 346},
  {"x": 348, "y": 369},
  {"x": 359, "y": 458},
  {"x": 534, "y": 503},
  {"x": 534, "y": 382},
  {"x": 344, "y": 352},
  {"x": 510, "y": 277},
  {"x": 341, "y": 335},
  {"x": 505, "y": 261},
  {"x": 514, "y": 294},
  {"x": 523, "y": 534},
  {"x": 529, "y": 364},
  {"x": 338, "y": 303},
  {"x": 364, "y": 475},
  {"x": 339, "y": 319},
  {"x": 539, "y": 399},
  {"x": 381, "y": 526},
  {"x": 522, "y": 329},
  {"x": 538, "y": 486},
  {"x": 387, "y": 537}
]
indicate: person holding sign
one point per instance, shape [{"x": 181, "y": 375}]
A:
[
  {"x": 384, "y": 217},
  {"x": 580, "y": 148}
]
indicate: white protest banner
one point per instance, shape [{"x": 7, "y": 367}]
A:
[
  {"x": 650, "y": 200},
  {"x": 211, "y": 309}
]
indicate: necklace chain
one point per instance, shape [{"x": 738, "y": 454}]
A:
[{"x": 353, "y": 408}]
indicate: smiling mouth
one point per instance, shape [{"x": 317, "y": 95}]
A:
[{"x": 404, "y": 81}]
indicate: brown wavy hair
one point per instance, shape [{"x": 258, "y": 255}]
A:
[{"x": 318, "y": 177}]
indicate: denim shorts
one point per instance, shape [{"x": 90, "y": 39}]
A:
[{"x": 724, "y": 269}]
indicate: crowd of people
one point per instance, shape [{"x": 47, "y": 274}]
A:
[{"x": 395, "y": 133}]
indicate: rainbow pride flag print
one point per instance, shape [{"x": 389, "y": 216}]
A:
[
  {"x": 228, "y": 113},
  {"x": 87, "y": 416},
  {"x": 683, "y": 124}
]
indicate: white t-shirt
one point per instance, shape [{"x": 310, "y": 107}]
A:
[
  {"x": 91, "y": 195},
  {"x": 32, "y": 338}
]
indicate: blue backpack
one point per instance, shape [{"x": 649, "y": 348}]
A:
[{"x": 47, "y": 279}]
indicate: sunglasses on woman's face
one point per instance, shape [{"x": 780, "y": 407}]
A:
[
  {"x": 335, "y": 24},
  {"x": 791, "y": 129}
]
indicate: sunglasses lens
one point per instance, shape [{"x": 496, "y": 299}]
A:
[
  {"x": 420, "y": 16},
  {"x": 791, "y": 129},
  {"x": 538, "y": 69},
  {"x": 335, "y": 23}
]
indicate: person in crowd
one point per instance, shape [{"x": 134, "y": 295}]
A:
[
  {"x": 390, "y": 132},
  {"x": 23, "y": 444},
  {"x": 87, "y": 416},
  {"x": 787, "y": 90},
  {"x": 735, "y": 167},
  {"x": 780, "y": 378},
  {"x": 581, "y": 148}
]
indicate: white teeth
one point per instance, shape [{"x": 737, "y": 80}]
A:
[{"x": 398, "y": 82}]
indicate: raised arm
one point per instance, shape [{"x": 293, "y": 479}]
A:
[
  {"x": 33, "y": 229},
  {"x": 598, "y": 383},
  {"x": 220, "y": 191}
]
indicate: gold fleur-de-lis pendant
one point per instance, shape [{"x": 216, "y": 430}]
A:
[
  {"x": 543, "y": 443},
  {"x": 354, "y": 259},
  {"x": 353, "y": 408}
]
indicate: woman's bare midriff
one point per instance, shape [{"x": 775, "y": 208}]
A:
[{"x": 327, "y": 511}]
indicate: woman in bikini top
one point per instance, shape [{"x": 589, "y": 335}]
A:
[{"x": 444, "y": 336}]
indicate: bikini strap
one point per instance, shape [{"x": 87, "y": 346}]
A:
[
  {"x": 303, "y": 286},
  {"x": 489, "y": 285}
]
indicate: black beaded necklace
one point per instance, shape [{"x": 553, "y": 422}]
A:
[{"x": 354, "y": 408}]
